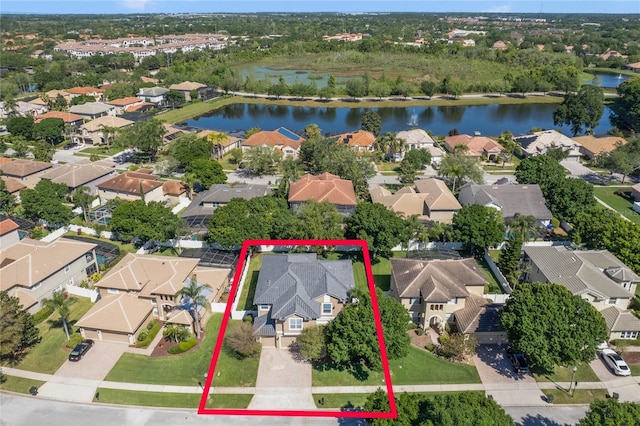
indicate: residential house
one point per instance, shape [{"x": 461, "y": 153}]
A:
[
  {"x": 295, "y": 291},
  {"x": 635, "y": 67},
  {"x": 222, "y": 142},
  {"x": 476, "y": 146},
  {"x": 595, "y": 275},
  {"x": 281, "y": 140},
  {"x": 69, "y": 119},
  {"x": 508, "y": 199},
  {"x": 481, "y": 319},
  {"x": 612, "y": 53},
  {"x": 621, "y": 324},
  {"x": 171, "y": 133},
  {"x": 143, "y": 287},
  {"x": 122, "y": 105},
  {"x": 12, "y": 185},
  {"x": 26, "y": 171},
  {"x": 22, "y": 109},
  {"x": 591, "y": 146},
  {"x": 635, "y": 192},
  {"x": 434, "y": 290},
  {"x": 360, "y": 141},
  {"x": 324, "y": 187},
  {"x": 431, "y": 200},
  {"x": 93, "y": 110},
  {"x": 53, "y": 94},
  {"x": 174, "y": 191},
  {"x": 186, "y": 87},
  {"x": 86, "y": 91},
  {"x": 93, "y": 132},
  {"x": 131, "y": 186},
  {"x": 200, "y": 210},
  {"x": 33, "y": 270},
  {"x": 499, "y": 45},
  {"x": 81, "y": 173},
  {"x": 8, "y": 233},
  {"x": 154, "y": 95},
  {"x": 419, "y": 139},
  {"x": 539, "y": 142}
]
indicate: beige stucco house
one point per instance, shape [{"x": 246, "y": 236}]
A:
[
  {"x": 33, "y": 270},
  {"x": 131, "y": 186},
  {"x": 295, "y": 291},
  {"x": 321, "y": 188},
  {"x": 141, "y": 288},
  {"x": 93, "y": 132},
  {"x": 9, "y": 234},
  {"x": 282, "y": 140}
]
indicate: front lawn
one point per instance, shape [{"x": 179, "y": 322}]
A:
[
  {"x": 354, "y": 400},
  {"x": 19, "y": 384},
  {"x": 620, "y": 204},
  {"x": 565, "y": 374},
  {"x": 170, "y": 400},
  {"x": 419, "y": 367},
  {"x": 49, "y": 355},
  {"x": 186, "y": 369},
  {"x": 580, "y": 396}
]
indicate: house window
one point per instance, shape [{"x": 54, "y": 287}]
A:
[
  {"x": 264, "y": 307},
  {"x": 67, "y": 269},
  {"x": 327, "y": 308},
  {"x": 436, "y": 307},
  {"x": 71, "y": 282},
  {"x": 88, "y": 257},
  {"x": 155, "y": 311},
  {"x": 454, "y": 301},
  {"x": 295, "y": 323},
  {"x": 629, "y": 335},
  {"x": 414, "y": 300},
  {"x": 113, "y": 291},
  {"x": 613, "y": 301}
]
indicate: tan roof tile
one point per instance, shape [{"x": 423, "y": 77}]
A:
[
  {"x": 325, "y": 187},
  {"x": 131, "y": 183},
  {"x": 21, "y": 168},
  {"x": 77, "y": 174},
  {"x": 123, "y": 313}
]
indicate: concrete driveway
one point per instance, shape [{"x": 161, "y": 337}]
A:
[
  {"x": 625, "y": 387},
  {"x": 506, "y": 386},
  {"x": 283, "y": 383}
]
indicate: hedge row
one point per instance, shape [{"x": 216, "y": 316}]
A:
[
  {"x": 74, "y": 339},
  {"x": 42, "y": 315},
  {"x": 182, "y": 346},
  {"x": 150, "y": 334}
]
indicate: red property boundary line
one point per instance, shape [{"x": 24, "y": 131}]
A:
[{"x": 391, "y": 414}]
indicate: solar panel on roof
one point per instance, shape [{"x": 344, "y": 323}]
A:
[{"x": 288, "y": 133}]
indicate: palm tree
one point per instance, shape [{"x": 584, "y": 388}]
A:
[
  {"x": 61, "y": 304},
  {"x": 176, "y": 332},
  {"x": 191, "y": 292},
  {"x": 523, "y": 225},
  {"x": 109, "y": 133},
  {"x": 82, "y": 198}
]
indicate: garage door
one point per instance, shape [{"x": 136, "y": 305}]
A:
[
  {"x": 286, "y": 341},
  {"x": 491, "y": 338},
  {"x": 268, "y": 342}
]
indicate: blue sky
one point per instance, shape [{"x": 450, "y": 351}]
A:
[{"x": 213, "y": 6}]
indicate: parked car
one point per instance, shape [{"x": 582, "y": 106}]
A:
[
  {"x": 80, "y": 350},
  {"x": 519, "y": 361},
  {"x": 615, "y": 362},
  {"x": 70, "y": 145}
]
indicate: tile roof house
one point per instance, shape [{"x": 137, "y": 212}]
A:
[
  {"x": 93, "y": 131},
  {"x": 154, "y": 95},
  {"x": 477, "y": 146},
  {"x": 635, "y": 67},
  {"x": 93, "y": 110},
  {"x": 12, "y": 185},
  {"x": 591, "y": 146},
  {"x": 80, "y": 173},
  {"x": 132, "y": 186},
  {"x": 142, "y": 287},
  {"x": 124, "y": 104},
  {"x": 482, "y": 320},
  {"x": 282, "y": 140},
  {"x": 433, "y": 291},
  {"x": 32, "y": 270},
  {"x": 296, "y": 291},
  {"x": 539, "y": 142},
  {"x": 419, "y": 139},
  {"x": 509, "y": 199},
  {"x": 595, "y": 275},
  {"x": 431, "y": 200},
  {"x": 86, "y": 90},
  {"x": 8, "y": 233},
  {"x": 22, "y": 109},
  {"x": 186, "y": 87},
  {"x": 22, "y": 169},
  {"x": 67, "y": 117},
  {"x": 324, "y": 187},
  {"x": 621, "y": 324},
  {"x": 360, "y": 141}
]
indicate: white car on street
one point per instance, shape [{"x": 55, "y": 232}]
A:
[{"x": 615, "y": 362}]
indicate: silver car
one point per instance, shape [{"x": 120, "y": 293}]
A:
[{"x": 615, "y": 363}]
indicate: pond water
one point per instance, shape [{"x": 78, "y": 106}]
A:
[
  {"x": 609, "y": 80},
  {"x": 489, "y": 120}
]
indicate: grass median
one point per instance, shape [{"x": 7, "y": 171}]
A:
[
  {"x": 580, "y": 396},
  {"x": 170, "y": 399},
  {"x": 355, "y": 400},
  {"x": 19, "y": 384}
]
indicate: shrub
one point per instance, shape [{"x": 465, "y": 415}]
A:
[
  {"x": 248, "y": 318},
  {"x": 430, "y": 347},
  {"x": 151, "y": 334},
  {"x": 419, "y": 331},
  {"x": 626, "y": 342},
  {"x": 182, "y": 346},
  {"x": 143, "y": 335},
  {"x": 42, "y": 315},
  {"x": 240, "y": 339},
  {"x": 151, "y": 324},
  {"x": 74, "y": 340}
]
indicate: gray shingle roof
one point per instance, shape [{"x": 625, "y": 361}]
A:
[
  {"x": 478, "y": 316},
  {"x": 291, "y": 282},
  {"x": 510, "y": 198},
  {"x": 579, "y": 271},
  {"x": 222, "y": 193},
  {"x": 264, "y": 325}
]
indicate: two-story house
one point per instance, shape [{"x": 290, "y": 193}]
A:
[
  {"x": 360, "y": 141},
  {"x": 281, "y": 140},
  {"x": 33, "y": 270},
  {"x": 295, "y": 291},
  {"x": 94, "y": 132},
  {"x": 595, "y": 275},
  {"x": 143, "y": 287},
  {"x": 324, "y": 187}
]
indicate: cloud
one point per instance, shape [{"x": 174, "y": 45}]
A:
[
  {"x": 138, "y": 5},
  {"x": 502, "y": 8}
]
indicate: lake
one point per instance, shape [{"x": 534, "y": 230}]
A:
[
  {"x": 489, "y": 120},
  {"x": 609, "y": 80}
]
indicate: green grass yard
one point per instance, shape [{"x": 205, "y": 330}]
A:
[
  {"x": 251, "y": 280},
  {"x": 340, "y": 400},
  {"x": 189, "y": 368},
  {"x": 580, "y": 396},
  {"x": 171, "y": 400},
  {"x": 616, "y": 202},
  {"x": 49, "y": 355},
  {"x": 565, "y": 374},
  {"x": 19, "y": 384},
  {"x": 419, "y": 367}
]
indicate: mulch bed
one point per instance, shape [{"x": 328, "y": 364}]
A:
[
  {"x": 419, "y": 341},
  {"x": 162, "y": 348},
  {"x": 632, "y": 357}
]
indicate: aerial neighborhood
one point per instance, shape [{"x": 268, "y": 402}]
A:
[{"x": 483, "y": 172}]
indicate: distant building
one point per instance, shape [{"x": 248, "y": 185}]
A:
[
  {"x": 591, "y": 146},
  {"x": 324, "y": 187},
  {"x": 93, "y": 110},
  {"x": 360, "y": 141},
  {"x": 539, "y": 142},
  {"x": 186, "y": 87},
  {"x": 476, "y": 146},
  {"x": 281, "y": 140},
  {"x": 154, "y": 95}
]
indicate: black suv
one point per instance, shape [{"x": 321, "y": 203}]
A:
[
  {"x": 80, "y": 350},
  {"x": 519, "y": 361}
]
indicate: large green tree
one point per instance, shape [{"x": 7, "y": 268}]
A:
[
  {"x": 460, "y": 168},
  {"x": 318, "y": 221},
  {"x": 581, "y": 110},
  {"x": 611, "y": 412},
  {"x": 145, "y": 222},
  {"x": 188, "y": 148},
  {"x": 567, "y": 197},
  {"x": 7, "y": 201},
  {"x": 46, "y": 201},
  {"x": 551, "y": 325},
  {"x": 17, "y": 330},
  {"x": 625, "y": 110},
  {"x": 352, "y": 338},
  {"x": 49, "y": 130},
  {"x": 382, "y": 228},
  {"x": 509, "y": 261},
  {"x": 372, "y": 122},
  {"x": 312, "y": 343},
  {"x": 539, "y": 169},
  {"x": 145, "y": 136},
  {"x": 478, "y": 227},
  {"x": 206, "y": 172},
  {"x": 60, "y": 303},
  {"x": 261, "y": 160},
  {"x": 20, "y": 126}
]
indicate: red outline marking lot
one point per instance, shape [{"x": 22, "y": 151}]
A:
[{"x": 392, "y": 414}]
